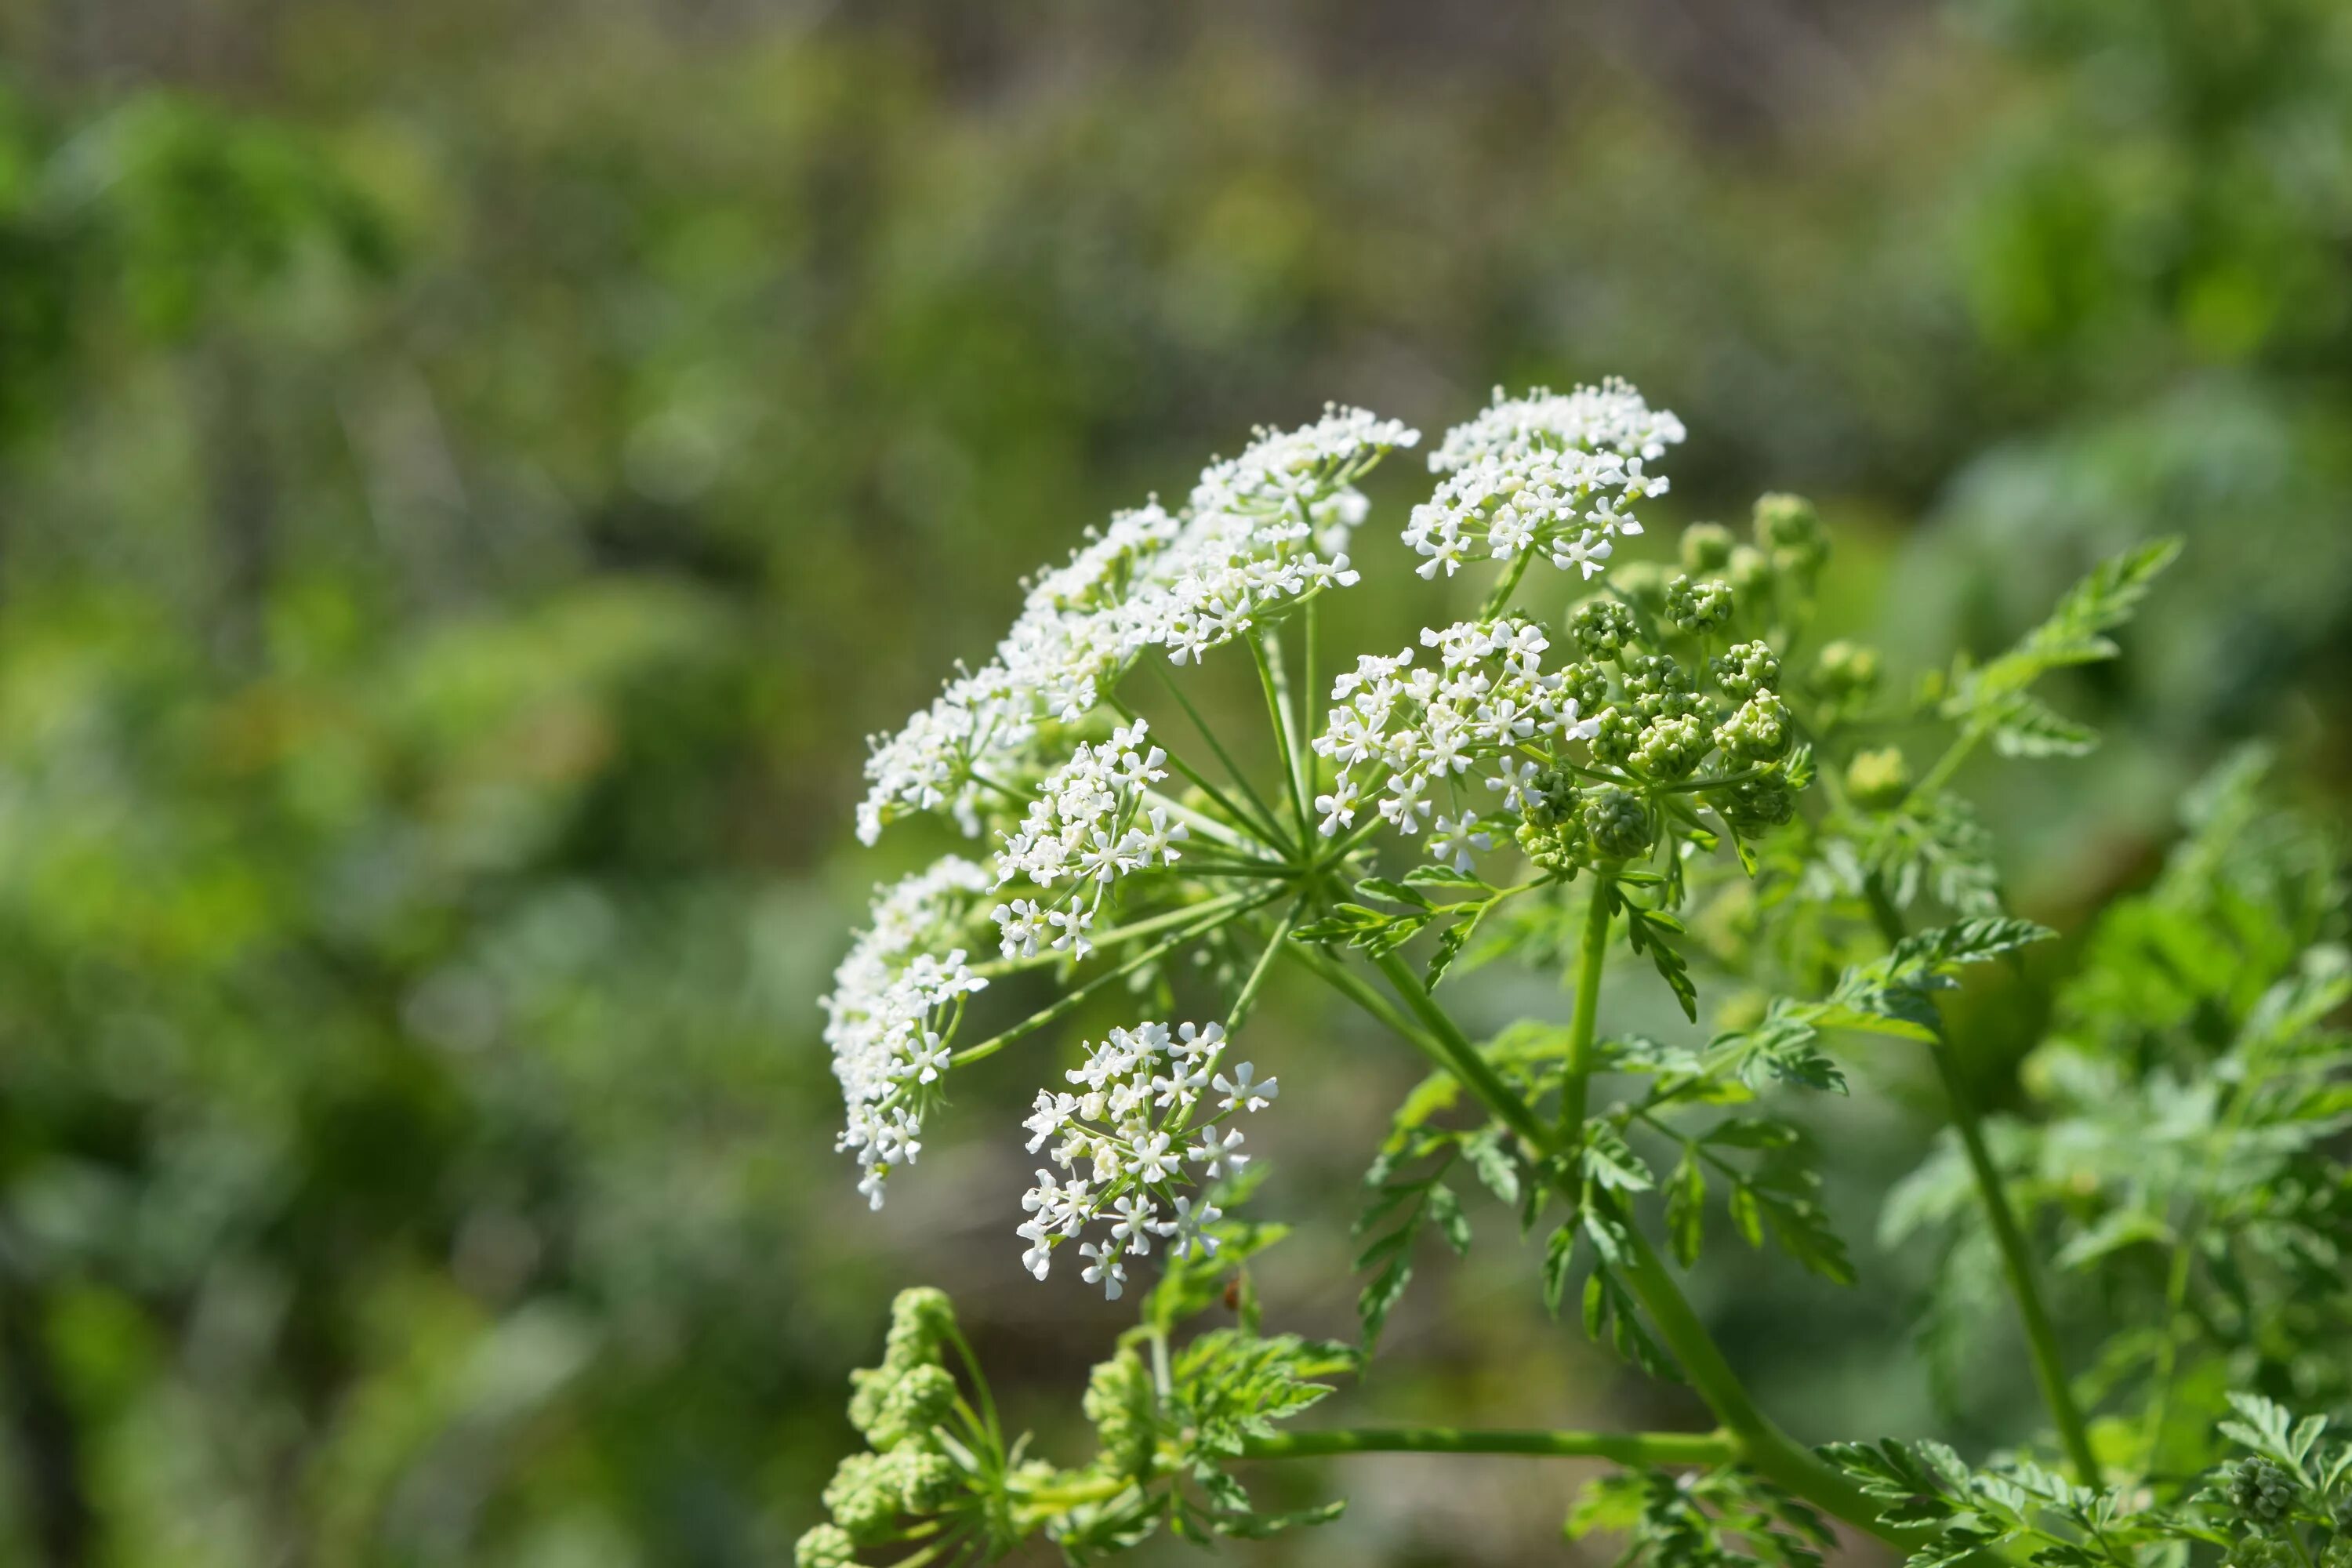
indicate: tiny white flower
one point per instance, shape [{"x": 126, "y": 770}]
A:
[
  {"x": 1213, "y": 1154},
  {"x": 1243, "y": 1090},
  {"x": 1453, "y": 839},
  {"x": 1105, "y": 1270},
  {"x": 1154, "y": 1159},
  {"x": 1339, "y": 808}
]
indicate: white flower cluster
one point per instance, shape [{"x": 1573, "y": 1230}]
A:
[
  {"x": 1486, "y": 704},
  {"x": 1544, "y": 471},
  {"x": 1090, "y": 826},
  {"x": 893, "y": 1007},
  {"x": 1127, "y": 1120},
  {"x": 1262, "y": 528}
]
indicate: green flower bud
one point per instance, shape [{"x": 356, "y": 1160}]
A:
[
  {"x": 1846, "y": 670},
  {"x": 1586, "y": 683},
  {"x": 1659, "y": 686},
  {"x": 1698, "y": 608},
  {"x": 1706, "y": 547},
  {"x": 825, "y": 1546},
  {"x": 922, "y": 1320},
  {"x": 1670, "y": 748},
  {"x": 913, "y": 1406},
  {"x": 1559, "y": 847},
  {"x": 1878, "y": 779},
  {"x": 926, "y": 1482},
  {"x": 1601, "y": 627},
  {"x": 1759, "y": 732},
  {"x": 1746, "y": 668},
  {"x": 2263, "y": 1492},
  {"x": 1614, "y": 740},
  {"x": 1755, "y": 806},
  {"x": 1118, "y": 1402},
  {"x": 1750, "y": 571},
  {"x": 863, "y": 1498},
  {"x": 869, "y": 1396},
  {"x": 1790, "y": 530},
  {"x": 1552, "y": 797},
  {"x": 1618, "y": 822}
]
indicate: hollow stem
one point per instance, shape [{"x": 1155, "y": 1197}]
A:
[{"x": 2009, "y": 1237}]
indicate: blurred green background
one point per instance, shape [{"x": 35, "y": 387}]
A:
[{"x": 471, "y": 472}]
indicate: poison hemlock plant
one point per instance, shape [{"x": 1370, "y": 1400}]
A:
[{"x": 1667, "y": 752}]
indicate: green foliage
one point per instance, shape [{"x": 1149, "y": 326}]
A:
[{"x": 1713, "y": 1520}]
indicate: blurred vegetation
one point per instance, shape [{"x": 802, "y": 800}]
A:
[{"x": 470, "y": 474}]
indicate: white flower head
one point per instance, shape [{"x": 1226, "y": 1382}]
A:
[
  {"x": 1546, "y": 472},
  {"x": 1138, "y": 1098},
  {"x": 892, "y": 1012},
  {"x": 1261, "y": 531}
]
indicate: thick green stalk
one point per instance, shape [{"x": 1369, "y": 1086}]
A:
[
  {"x": 1764, "y": 1448},
  {"x": 2009, "y": 1237},
  {"x": 1576, "y": 1073},
  {"x": 1624, "y": 1447}
]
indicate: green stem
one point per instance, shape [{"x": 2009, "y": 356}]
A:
[
  {"x": 1638, "y": 1448},
  {"x": 1208, "y": 825},
  {"x": 1214, "y": 913},
  {"x": 1937, "y": 776},
  {"x": 1268, "y": 654},
  {"x": 2017, "y": 1260},
  {"x": 1764, "y": 1448},
  {"x": 1264, "y": 818},
  {"x": 1576, "y": 1073},
  {"x": 1508, "y": 586},
  {"x": 1115, "y": 935},
  {"x": 1289, "y": 923}
]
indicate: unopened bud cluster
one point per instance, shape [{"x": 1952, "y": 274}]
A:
[{"x": 900, "y": 1408}]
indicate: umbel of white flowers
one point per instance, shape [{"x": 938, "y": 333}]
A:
[
  {"x": 1009, "y": 750},
  {"x": 1262, "y": 528},
  {"x": 1127, "y": 1121}
]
